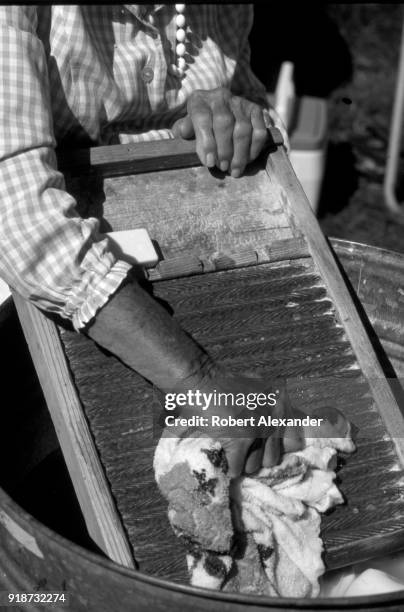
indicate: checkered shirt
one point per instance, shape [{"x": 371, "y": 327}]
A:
[{"x": 81, "y": 73}]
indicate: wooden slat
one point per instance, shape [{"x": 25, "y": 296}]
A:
[
  {"x": 117, "y": 160},
  {"x": 102, "y": 520},
  {"x": 280, "y": 171},
  {"x": 279, "y": 250}
]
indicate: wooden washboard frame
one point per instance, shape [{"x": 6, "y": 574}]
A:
[{"x": 300, "y": 239}]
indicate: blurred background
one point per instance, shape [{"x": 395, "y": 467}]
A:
[{"x": 347, "y": 54}]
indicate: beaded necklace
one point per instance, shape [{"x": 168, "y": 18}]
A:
[{"x": 180, "y": 65}]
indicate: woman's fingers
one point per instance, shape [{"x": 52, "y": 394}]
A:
[
  {"x": 236, "y": 450},
  {"x": 202, "y": 120},
  {"x": 292, "y": 440},
  {"x": 223, "y": 127},
  {"x": 260, "y": 134},
  {"x": 242, "y": 134},
  {"x": 272, "y": 451},
  {"x": 183, "y": 128},
  {"x": 230, "y": 131},
  {"x": 334, "y": 424},
  {"x": 254, "y": 458}
]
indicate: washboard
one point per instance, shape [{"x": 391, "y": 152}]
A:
[{"x": 249, "y": 274}]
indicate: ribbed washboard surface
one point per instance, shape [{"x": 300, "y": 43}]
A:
[{"x": 278, "y": 320}]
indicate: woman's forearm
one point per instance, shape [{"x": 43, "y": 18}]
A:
[{"x": 138, "y": 330}]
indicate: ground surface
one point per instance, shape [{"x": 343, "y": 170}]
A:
[
  {"x": 352, "y": 203},
  {"x": 349, "y": 54}
]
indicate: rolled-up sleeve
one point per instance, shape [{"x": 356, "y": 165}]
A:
[{"x": 47, "y": 252}]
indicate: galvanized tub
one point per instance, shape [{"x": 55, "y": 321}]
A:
[{"x": 34, "y": 557}]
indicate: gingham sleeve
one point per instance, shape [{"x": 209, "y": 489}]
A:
[{"x": 47, "y": 252}]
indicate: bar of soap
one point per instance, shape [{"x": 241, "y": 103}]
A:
[
  {"x": 134, "y": 246},
  {"x": 4, "y": 291}
]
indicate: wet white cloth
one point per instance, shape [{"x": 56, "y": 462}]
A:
[
  {"x": 256, "y": 534},
  {"x": 382, "y": 575}
]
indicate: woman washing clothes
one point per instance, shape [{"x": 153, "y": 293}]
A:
[
  {"x": 97, "y": 75},
  {"x": 80, "y": 75}
]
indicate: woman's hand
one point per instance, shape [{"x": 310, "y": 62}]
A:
[
  {"x": 230, "y": 131},
  {"x": 248, "y": 447}
]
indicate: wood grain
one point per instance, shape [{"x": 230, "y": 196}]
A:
[
  {"x": 202, "y": 214},
  {"x": 117, "y": 160},
  {"x": 102, "y": 520},
  {"x": 278, "y": 251},
  {"x": 280, "y": 171},
  {"x": 135, "y": 158},
  {"x": 312, "y": 352}
]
